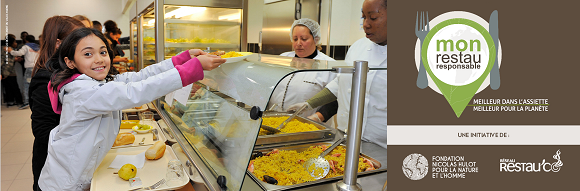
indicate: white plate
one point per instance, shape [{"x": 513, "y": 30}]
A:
[
  {"x": 152, "y": 171},
  {"x": 240, "y": 58}
]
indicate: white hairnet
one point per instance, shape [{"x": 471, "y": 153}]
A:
[{"x": 312, "y": 25}]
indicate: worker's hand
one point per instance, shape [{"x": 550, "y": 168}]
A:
[
  {"x": 210, "y": 62},
  {"x": 196, "y": 52},
  {"x": 8, "y": 49},
  {"x": 315, "y": 117},
  {"x": 124, "y": 59},
  {"x": 295, "y": 107}
]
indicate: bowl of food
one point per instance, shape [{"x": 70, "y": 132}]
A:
[{"x": 141, "y": 128}]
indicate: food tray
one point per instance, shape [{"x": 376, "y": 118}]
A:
[
  {"x": 325, "y": 133},
  {"x": 152, "y": 171},
  {"x": 300, "y": 148},
  {"x": 132, "y": 110},
  {"x": 194, "y": 176},
  {"x": 148, "y": 136}
]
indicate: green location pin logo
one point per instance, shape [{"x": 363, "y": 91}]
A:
[{"x": 458, "y": 55}]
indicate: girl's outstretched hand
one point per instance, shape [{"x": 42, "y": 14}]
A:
[
  {"x": 209, "y": 62},
  {"x": 196, "y": 52}
]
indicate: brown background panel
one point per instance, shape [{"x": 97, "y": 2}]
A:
[
  {"x": 540, "y": 42},
  {"x": 488, "y": 177}
]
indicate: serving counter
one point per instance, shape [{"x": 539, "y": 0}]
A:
[{"x": 217, "y": 127}]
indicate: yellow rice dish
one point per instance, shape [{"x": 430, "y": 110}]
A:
[
  {"x": 293, "y": 126},
  {"x": 286, "y": 166},
  {"x": 231, "y": 54}
]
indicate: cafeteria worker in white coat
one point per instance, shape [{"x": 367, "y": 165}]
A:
[
  {"x": 372, "y": 48},
  {"x": 298, "y": 87}
]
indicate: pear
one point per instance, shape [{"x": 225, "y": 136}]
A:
[{"x": 127, "y": 171}]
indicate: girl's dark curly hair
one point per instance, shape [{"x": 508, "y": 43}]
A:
[{"x": 67, "y": 49}]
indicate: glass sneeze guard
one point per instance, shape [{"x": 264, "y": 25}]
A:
[
  {"x": 220, "y": 132},
  {"x": 253, "y": 80}
]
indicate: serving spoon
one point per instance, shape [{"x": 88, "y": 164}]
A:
[{"x": 320, "y": 162}]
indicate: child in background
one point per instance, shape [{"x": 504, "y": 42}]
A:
[
  {"x": 90, "y": 100},
  {"x": 11, "y": 91},
  {"x": 30, "y": 53}
]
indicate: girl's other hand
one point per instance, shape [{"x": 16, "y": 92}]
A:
[
  {"x": 196, "y": 52},
  {"x": 124, "y": 59},
  {"x": 210, "y": 62}
]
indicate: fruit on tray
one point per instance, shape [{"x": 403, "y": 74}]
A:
[{"x": 127, "y": 171}]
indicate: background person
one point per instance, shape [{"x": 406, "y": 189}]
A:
[
  {"x": 19, "y": 62},
  {"x": 30, "y": 53},
  {"x": 112, "y": 34},
  {"x": 12, "y": 94},
  {"x": 55, "y": 30},
  {"x": 97, "y": 25},
  {"x": 86, "y": 21},
  {"x": 372, "y": 48},
  {"x": 298, "y": 87}
]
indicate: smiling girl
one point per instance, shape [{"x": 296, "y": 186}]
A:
[{"x": 90, "y": 100}]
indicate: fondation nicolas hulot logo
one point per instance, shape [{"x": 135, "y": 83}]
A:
[
  {"x": 456, "y": 55},
  {"x": 511, "y": 165}
]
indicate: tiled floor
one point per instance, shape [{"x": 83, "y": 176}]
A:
[{"x": 16, "y": 149}]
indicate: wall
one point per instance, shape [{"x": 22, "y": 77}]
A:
[
  {"x": 343, "y": 11},
  {"x": 255, "y": 15},
  {"x": 30, "y": 15}
]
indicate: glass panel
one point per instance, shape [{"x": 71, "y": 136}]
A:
[
  {"x": 188, "y": 27},
  {"x": 253, "y": 80},
  {"x": 250, "y": 82},
  {"x": 220, "y": 132},
  {"x": 148, "y": 39}
]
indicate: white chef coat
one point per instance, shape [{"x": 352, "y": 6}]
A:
[
  {"x": 302, "y": 86},
  {"x": 319, "y": 55},
  {"x": 90, "y": 120},
  {"x": 375, "y": 110}
]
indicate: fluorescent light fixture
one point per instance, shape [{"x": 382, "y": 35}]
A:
[
  {"x": 184, "y": 11},
  {"x": 234, "y": 16}
]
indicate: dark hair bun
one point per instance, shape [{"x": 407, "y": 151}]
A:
[{"x": 110, "y": 26}]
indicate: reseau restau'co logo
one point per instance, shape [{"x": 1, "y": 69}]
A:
[{"x": 511, "y": 165}]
